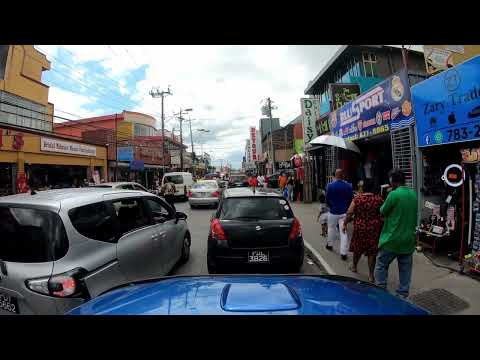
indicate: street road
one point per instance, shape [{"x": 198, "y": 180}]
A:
[{"x": 199, "y": 224}]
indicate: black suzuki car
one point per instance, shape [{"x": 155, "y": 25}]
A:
[{"x": 254, "y": 228}]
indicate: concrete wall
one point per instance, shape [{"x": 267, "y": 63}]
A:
[{"x": 23, "y": 73}]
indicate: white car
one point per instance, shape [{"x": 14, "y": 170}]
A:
[
  {"x": 183, "y": 182},
  {"x": 204, "y": 193},
  {"x": 122, "y": 185}
]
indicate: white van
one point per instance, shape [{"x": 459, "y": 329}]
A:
[{"x": 183, "y": 182}]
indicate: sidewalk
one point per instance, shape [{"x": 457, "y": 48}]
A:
[{"x": 426, "y": 276}]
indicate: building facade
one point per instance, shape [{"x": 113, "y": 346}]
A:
[
  {"x": 132, "y": 140},
  {"x": 29, "y": 150},
  {"x": 375, "y": 71}
]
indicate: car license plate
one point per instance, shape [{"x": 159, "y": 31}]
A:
[
  {"x": 258, "y": 257},
  {"x": 8, "y": 303}
]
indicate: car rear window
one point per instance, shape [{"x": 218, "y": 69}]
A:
[
  {"x": 93, "y": 221},
  {"x": 176, "y": 179},
  {"x": 31, "y": 235},
  {"x": 204, "y": 185},
  {"x": 262, "y": 208}
]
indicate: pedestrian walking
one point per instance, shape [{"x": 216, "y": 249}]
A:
[
  {"x": 397, "y": 239},
  {"x": 253, "y": 182},
  {"x": 367, "y": 226},
  {"x": 282, "y": 182},
  {"x": 261, "y": 181},
  {"x": 168, "y": 190},
  {"x": 322, "y": 217},
  {"x": 339, "y": 196},
  {"x": 290, "y": 183}
]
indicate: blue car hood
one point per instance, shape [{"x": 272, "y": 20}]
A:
[{"x": 249, "y": 294}]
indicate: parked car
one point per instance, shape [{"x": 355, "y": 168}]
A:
[
  {"x": 240, "y": 180},
  {"x": 122, "y": 185},
  {"x": 204, "y": 193},
  {"x": 183, "y": 182},
  {"x": 60, "y": 248},
  {"x": 254, "y": 227},
  {"x": 250, "y": 295}
]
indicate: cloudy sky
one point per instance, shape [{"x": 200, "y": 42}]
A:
[{"x": 223, "y": 84}]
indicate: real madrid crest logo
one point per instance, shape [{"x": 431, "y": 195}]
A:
[{"x": 397, "y": 89}]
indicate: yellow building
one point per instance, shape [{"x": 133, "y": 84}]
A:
[{"x": 28, "y": 146}]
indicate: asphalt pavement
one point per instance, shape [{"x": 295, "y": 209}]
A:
[{"x": 199, "y": 224}]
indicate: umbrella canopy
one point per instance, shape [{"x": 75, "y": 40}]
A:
[{"x": 335, "y": 141}]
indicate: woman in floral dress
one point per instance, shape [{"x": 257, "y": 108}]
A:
[{"x": 367, "y": 226}]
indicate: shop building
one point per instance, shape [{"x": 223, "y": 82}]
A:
[
  {"x": 447, "y": 108},
  {"x": 29, "y": 150},
  {"x": 279, "y": 147},
  {"x": 363, "y": 95},
  {"x": 134, "y": 144}
]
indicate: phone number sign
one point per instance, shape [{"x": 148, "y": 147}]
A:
[{"x": 447, "y": 106}]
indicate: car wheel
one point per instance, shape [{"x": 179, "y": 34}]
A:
[{"x": 185, "y": 249}]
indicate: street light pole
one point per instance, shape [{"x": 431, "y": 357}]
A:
[{"x": 181, "y": 134}]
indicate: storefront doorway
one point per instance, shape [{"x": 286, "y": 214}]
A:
[
  {"x": 7, "y": 176},
  {"x": 56, "y": 176},
  {"x": 372, "y": 164}
]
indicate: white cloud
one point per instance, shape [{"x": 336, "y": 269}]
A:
[{"x": 67, "y": 101}]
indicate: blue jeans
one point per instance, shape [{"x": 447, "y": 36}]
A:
[{"x": 384, "y": 259}]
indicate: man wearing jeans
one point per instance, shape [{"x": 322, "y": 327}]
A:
[
  {"x": 339, "y": 196},
  {"x": 397, "y": 240}
]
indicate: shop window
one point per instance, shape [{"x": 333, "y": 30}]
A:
[{"x": 369, "y": 64}]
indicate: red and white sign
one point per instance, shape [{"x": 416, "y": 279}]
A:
[{"x": 253, "y": 143}]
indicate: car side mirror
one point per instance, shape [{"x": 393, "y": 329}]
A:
[{"x": 181, "y": 216}]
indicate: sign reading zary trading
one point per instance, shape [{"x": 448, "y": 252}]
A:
[
  {"x": 447, "y": 105},
  {"x": 67, "y": 147},
  {"x": 310, "y": 114},
  {"x": 253, "y": 143},
  {"x": 386, "y": 106}
]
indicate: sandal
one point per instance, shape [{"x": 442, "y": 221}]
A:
[{"x": 352, "y": 269}]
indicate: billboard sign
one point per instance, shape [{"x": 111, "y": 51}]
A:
[
  {"x": 322, "y": 125},
  {"x": 253, "y": 143},
  {"x": 310, "y": 114},
  {"x": 447, "y": 105},
  {"x": 66, "y": 147},
  {"x": 439, "y": 58},
  {"x": 385, "y": 106},
  {"x": 342, "y": 94}
]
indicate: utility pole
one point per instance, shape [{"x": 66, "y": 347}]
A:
[
  {"x": 180, "y": 119},
  {"x": 191, "y": 140},
  {"x": 116, "y": 148},
  {"x": 155, "y": 94}
]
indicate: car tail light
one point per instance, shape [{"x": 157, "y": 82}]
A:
[
  {"x": 296, "y": 230},
  {"x": 68, "y": 284},
  {"x": 217, "y": 231},
  {"x": 215, "y": 194},
  {"x": 189, "y": 194}
]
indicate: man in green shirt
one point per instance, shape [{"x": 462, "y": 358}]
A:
[{"x": 397, "y": 240}]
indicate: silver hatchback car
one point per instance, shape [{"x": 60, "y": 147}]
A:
[{"x": 60, "y": 248}]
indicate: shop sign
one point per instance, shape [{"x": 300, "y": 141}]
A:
[
  {"x": 322, "y": 125},
  {"x": 470, "y": 156},
  {"x": 125, "y": 153},
  {"x": 387, "y": 106},
  {"x": 253, "y": 143},
  {"x": 447, "y": 106},
  {"x": 18, "y": 141},
  {"x": 310, "y": 114},
  {"x": 66, "y": 147},
  {"x": 299, "y": 146},
  {"x": 437, "y": 59},
  {"x": 342, "y": 94},
  {"x": 137, "y": 165}
]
